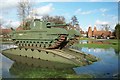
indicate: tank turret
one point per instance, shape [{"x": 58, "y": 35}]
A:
[{"x": 38, "y": 24}]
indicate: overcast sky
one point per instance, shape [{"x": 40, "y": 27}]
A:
[{"x": 89, "y": 12}]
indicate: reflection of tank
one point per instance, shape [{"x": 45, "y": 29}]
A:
[
  {"x": 39, "y": 62},
  {"x": 65, "y": 56},
  {"x": 20, "y": 70},
  {"x": 45, "y": 34}
]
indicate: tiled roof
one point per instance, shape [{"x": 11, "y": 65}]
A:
[
  {"x": 5, "y": 31},
  {"x": 98, "y": 33},
  {"x": 103, "y": 33}
]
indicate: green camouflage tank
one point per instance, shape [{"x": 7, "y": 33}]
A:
[{"x": 45, "y": 34}]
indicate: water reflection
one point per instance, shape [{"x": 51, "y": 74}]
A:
[
  {"x": 94, "y": 41},
  {"x": 5, "y": 63},
  {"x": 20, "y": 66},
  {"x": 27, "y": 71},
  {"x": 39, "y": 62},
  {"x": 107, "y": 67},
  {"x": 7, "y": 46},
  {"x": 5, "y": 66}
]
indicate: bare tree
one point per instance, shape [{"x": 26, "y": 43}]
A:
[
  {"x": 24, "y": 8},
  {"x": 59, "y": 19},
  {"x": 46, "y": 18},
  {"x": 55, "y": 19},
  {"x": 106, "y": 27}
]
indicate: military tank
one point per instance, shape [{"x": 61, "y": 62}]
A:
[
  {"x": 48, "y": 42},
  {"x": 45, "y": 34}
]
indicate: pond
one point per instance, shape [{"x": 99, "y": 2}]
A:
[
  {"x": 99, "y": 41},
  {"x": 5, "y": 62},
  {"x": 106, "y": 67}
]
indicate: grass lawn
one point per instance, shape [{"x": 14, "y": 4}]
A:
[{"x": 86, "y": 39}]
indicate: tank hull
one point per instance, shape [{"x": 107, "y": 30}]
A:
[{"x": 45, "y": 35}]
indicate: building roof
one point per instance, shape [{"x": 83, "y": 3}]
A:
[
  {"x": 103, "y": 33},
  {"x": 95, "y": 32},
  {"x": 6, "y": 31}
]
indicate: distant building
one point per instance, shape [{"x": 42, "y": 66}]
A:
[
  {"x": 98, "y": 34},
  {"x": 89, "y": 34},
  {"x": 4, "y": 34}
]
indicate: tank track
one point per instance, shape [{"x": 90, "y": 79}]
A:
[
  {"x": 72, "y": 41},
  {"x": 59, "y": 43}
]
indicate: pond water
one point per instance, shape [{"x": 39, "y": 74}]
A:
[
  {"x": 100, "y": 41},
  {"x": 106, "y": 67},
  {"x": 5, "y": 62}
]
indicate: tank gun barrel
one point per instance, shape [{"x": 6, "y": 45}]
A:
[{"x": 59, "y": 25}]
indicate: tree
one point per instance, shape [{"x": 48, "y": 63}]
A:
[
  {"x": 74, "y": 21},
  {"x": 55, "y": 19},
  {"x": 24, "y": 8},
  {"x": 45, "y": 18},
  {"x": 117, "y": 31},
  {"x": 105, "y": 27},
  {"x": 59, "y": 19}
]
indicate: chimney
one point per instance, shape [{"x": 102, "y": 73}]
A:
[
  {"x": 94, "y": 31},
  {"x": 89, "y": 32}
]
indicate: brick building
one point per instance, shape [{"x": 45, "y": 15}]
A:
[
  {"x": 98, "y": 33},
  {"x": 90, "y": 33},
  {"x": 4, "y": 34}
]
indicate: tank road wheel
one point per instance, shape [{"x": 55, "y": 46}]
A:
[{"x": 58, "y": 43}]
